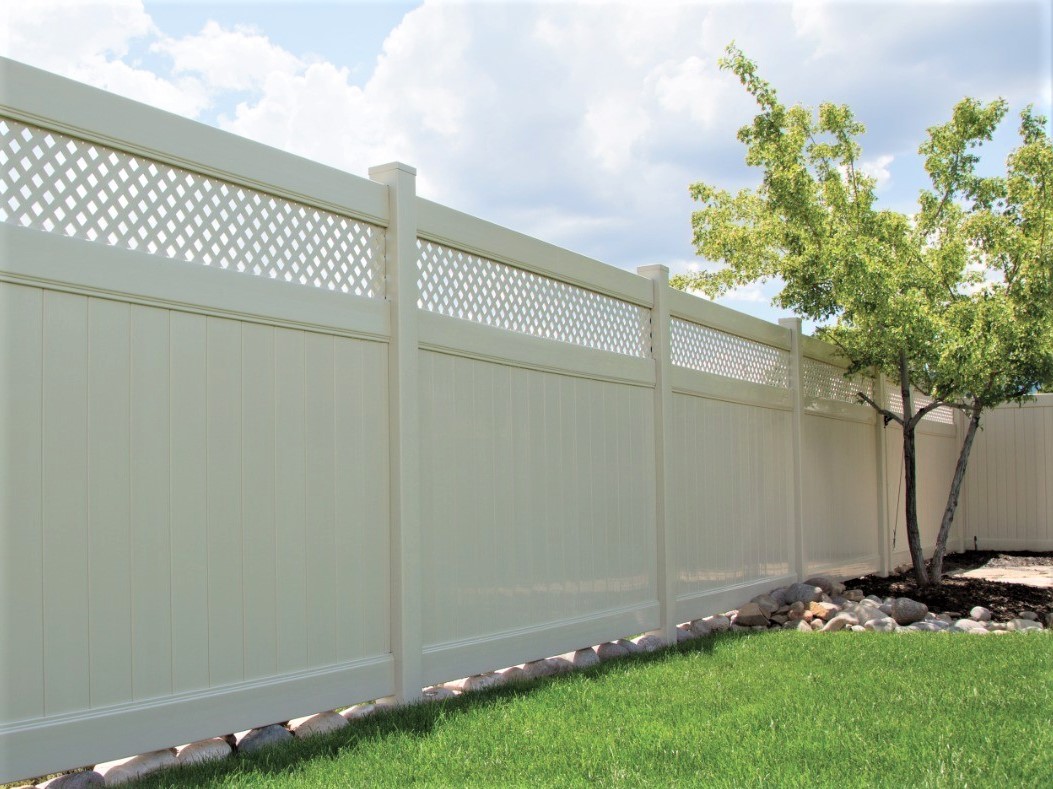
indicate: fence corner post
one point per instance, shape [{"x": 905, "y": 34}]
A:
[
  {"x": 884, "y": 536},
  {"x": 794, "y": 327},
  {"x": 406, "y": 593},
  {"x": 663, "y": 399}
]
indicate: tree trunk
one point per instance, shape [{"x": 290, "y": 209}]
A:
[
  {"x": 936, "y": 567},
  {"x": 910, "y": 476}
]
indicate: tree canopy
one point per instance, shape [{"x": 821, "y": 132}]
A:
[{"x": 955, "y": 300}]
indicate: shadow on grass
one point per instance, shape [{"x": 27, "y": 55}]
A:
[{"x": 418, "y": 720}]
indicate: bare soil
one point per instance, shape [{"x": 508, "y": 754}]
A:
[{"x": 960, "y": 595}]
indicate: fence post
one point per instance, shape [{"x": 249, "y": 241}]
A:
[
  {"x": 403, "y": 418},
  {"x": 884, "y": 541},
  {"x": 794, "y": 327},
  {"x": 663, "y": 397}
]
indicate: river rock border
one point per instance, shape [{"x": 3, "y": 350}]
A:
[{"x": 819, "y": 604}]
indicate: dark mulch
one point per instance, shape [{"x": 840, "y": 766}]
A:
[{"x": 959, "y": 595}]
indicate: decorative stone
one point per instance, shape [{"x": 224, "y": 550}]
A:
[
  {"x": 489, "y": 680},
  {"x": 122, "y": 771},
  {"x": 651, "y": 643},
  {"x": 582, "y": 658},
  {"x": 700, "y": 628},
  {"x": 440, "y": 693},
  {"x": 822, "y": 610},
  {"x": 802, "y": 593},
  {"x": 1028, "y": 615},
  {"x": 816, "y": 625},
  {"x": 560, "y": 665},
  {"x": 840, "y": 622},
  {"x": 968, "y": 624},
  {"x": 779, "y": 619},
  {"x": 1049, "y": 620},
  {"x": 320, "y": 723},
  {"x": 857, "y": 628},
  {"x": 906, "y": 611},
  {"x": 980, "y": 614},
  {"x": 610, "y": 650},
  {"x": 823, "y": 582},
  {"x": 803, "y": 626},
  {"x": 630, "y": 647},
  {"x": 766, "y": 603},
  {"x": 1020, "y": 625},
  {"x": 853, "y": 595},
  {"x": 718, "y": 623},
  {"x": 212, "y": 750},
  {"x": 359, "y": 711},
  {"x": 514, "y": 674},
  {"x": 682, "y": 635},
  {"x": 263, "y": 737},
  {"x": 81, "y": 780},
  {"x": 750, "y": 615},
  {"x": 884, "y": 625}
]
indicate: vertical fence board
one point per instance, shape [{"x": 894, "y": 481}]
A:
[
  {"x": 257, "y": 494},
  {"x": 322, "y": 605},
  {"x": 226, "y": 621},
  {"x": 150, "y": 503},
  {"x": 65, "y": 495},
  {"x": 290, "y": 502},
  {"x": 109, "y": 504},
  {"x": 189, "y": 485},
  {"x": 21, "y": 503}
]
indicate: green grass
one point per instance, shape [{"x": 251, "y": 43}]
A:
[{"x": 773, "y": 709}]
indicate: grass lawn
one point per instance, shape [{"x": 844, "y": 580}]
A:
[{"x": 782, "y": 709}]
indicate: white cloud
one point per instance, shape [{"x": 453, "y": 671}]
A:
[
  {"x": 239, "y": 59},
  {"x": 878, "y": 169},
  {"x": 582, "y": 124}
]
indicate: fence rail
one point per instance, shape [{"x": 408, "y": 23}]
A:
[{"x": 414, "y": 446}]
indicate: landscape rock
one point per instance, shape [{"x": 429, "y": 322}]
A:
[
  {"x": 650, "y": 643},
  {"x": 802, "y": 593},
  {"x": 211, "y": 750},
  {"x": 823, "y": 582},
  {"x": 263, "y": 737},
  {"x": 359, "y": 711},
  {"x": 611, "y": 650},
  {"x": 488, "y": 680},
  {"x": 539, "y": 668},
  {"x": 853, "y": 595},
  {"x": 320, "y": 723},
  {"x": 122, "y": 771},
  {"x": 1019, "y": 624},
  {"x": 906, "y": 611},
  {"x": 766, "y": 604},
  {"x": 1028, "y": 615},
  {"x": 583, "y": 658},
  {"x": 700, "y": 628},
  {"x": 980, "y": 614},
  {"x": 81, "y": 780},
  {"x": 514, "y": 674},
  {"x": 822, "y": 610},
  {"x": 968, "y": 624},
  {"x": 885, "y": 625},
  {"x": 559, "y": 665},
  {"x": 840, "y": 622},
  {"x": 718, "y": 623},
  {"x": 750, "y": 615},
  {"x": 803, "y": 626},
  {"x": 440, "y": 693},
  {"x": 630, "y": 647},
  {"x": 682, "y": 634}
]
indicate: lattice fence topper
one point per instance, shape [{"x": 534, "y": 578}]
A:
[
  {"x": 462, "y": 285},
  {"x": 60, "y": 184},
  {"x": 707, "y": 350},
  {"x": 942, "y": 415},
  {"x": 827, "y": 382}
]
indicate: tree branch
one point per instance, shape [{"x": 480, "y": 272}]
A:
[{"x": 889, "y": 416}]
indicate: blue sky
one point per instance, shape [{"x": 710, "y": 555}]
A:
[{"x": 582, "y": 124}]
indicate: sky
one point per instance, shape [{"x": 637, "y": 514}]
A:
[{"x": 582, "y": 124}]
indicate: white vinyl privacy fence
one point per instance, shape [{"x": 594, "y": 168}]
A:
[{"x": 276, "y": 439}]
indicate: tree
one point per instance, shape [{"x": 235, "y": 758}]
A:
[{"x": 954, "y": 301}]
